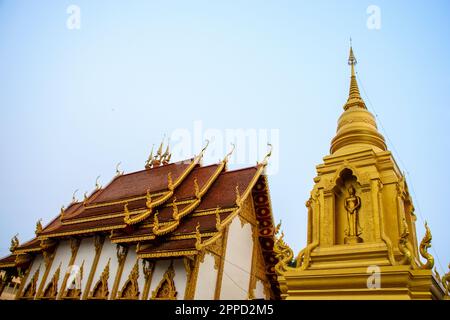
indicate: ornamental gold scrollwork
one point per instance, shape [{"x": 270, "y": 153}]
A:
[
  {"x": 31, "y": 288},
  {"x": 130, "y": 289},
  {"x": 51, "y": 291},
  {"x": 166, "y": 288},
  {"x": 283, "y": 252},
  {"x": 100, "y": 290},
  {"x": 403, "y": 244},
  {"x": 446, "y": 282}
]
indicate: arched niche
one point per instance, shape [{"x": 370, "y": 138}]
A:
[{"x": 344, "y": 181}]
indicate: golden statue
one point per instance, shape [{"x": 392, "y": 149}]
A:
[{"x": 352, "y": 205}]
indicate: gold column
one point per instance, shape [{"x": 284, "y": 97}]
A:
[
  {"x": 193, "y": 274},
  {"x": 98, "y": 244},
  {"x": 23, "y": 281},
  {"x": 378, "y": 204},
  {"x": 74, "y": 245},
  {"x": 48, "y": 261},
  {"x": 121, "y": 257},
  {"x": 252, "y": 282},
  {"x": 149, "y": 268},
  {"x": 221, "y": 266}
]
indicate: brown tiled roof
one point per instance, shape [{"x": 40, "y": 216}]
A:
[
  {"x": 137, "y": 183},
  {"x": 91, "y": 217},
  {"x": 8, "y": 261},
  {"x": 31, "y": 245}
]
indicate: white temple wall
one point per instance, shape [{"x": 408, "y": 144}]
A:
[
  {"x": 238, "y": 253},
  {"x": 206, "y": 279},
  {"x": 38, "y": 262},
  {"x": 86, "y": 253},
  {"x": 128, "y": 266},
  {"x": 108, "y": 252},
  {"x": 180, "y": 278},
  {"x": 62, "y": 257},
  {"x": 161, "y": 267}
]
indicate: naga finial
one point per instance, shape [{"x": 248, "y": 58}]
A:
[
  {"x": 268, "y": 155},
  {"x": 198, "y": 237},
  {"x": 206, "y": 146},
  {"x": 175, "y": 209},
  {"x": 74, "y": 199},
  {"x": 156, "y": 222},
  {"x": 126, "y": 212},
  {"x": 14, "y": 243},
  {"x": 97, "y": 184},
  {"x": 170, "y": 185},
  {"x": 219, "y": 227},
  {"x": 148, "y": 197},
  {"x": 38, "y": 227},
  {"x": 277, "y": 228},
  {"x": 196, "y": 188},
  {"x": 227, "y": 157},
  {"x": 238, "y": 196},
  {"x": 62, "y": 212},
  {"x": 118, "y": 172},
  {"x": 283, "y": 253},
  {"x": 85, "y": 197},
  {"x": 425, "y": 244}
]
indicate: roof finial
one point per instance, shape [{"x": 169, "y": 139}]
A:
[
  {"x": 166, "y": 155},
  {"x": 38, "y": 227},
  {"x": 97, "y": 183},
  {"x": 149, "y": 162},
  {"x": 159, "y": 152},
  {"x": 118, "y": 172},
  {"x": 14, "y": 243},
  {"x": 74, "y": 199}
]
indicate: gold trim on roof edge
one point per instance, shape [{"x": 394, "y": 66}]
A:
[
  {"x": 69, "y": 233},
  {"x": 178, "y": 215},
  {"x": 168, "y": 254},
  {"x": 172, "y": 185}
]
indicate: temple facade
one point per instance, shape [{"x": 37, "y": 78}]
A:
[
  {"x": 172, "y": 231},
  {"x": 361, "y": 231}
]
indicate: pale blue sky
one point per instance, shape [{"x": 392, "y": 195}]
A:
[{"x": 75, "y": 102}]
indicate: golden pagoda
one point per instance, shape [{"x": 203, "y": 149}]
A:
[{"x": 361, "y": 232}]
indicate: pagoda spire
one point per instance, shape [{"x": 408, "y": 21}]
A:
[
  {"x": 357, "y": 127},
  {"x": 354, "y": 97}
]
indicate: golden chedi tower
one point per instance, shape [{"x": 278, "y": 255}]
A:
[{"x": 361, "y": 234}]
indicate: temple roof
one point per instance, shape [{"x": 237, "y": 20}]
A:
[{"x": 168, "y": 210}]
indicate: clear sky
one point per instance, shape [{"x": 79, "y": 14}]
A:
[{"x": 74, "y": 102}]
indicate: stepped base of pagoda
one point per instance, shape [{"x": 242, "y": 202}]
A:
[{"x": 395, "y": 283}]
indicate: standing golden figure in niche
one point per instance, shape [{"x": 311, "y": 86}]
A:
[{"x": 352, "y": 205}]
